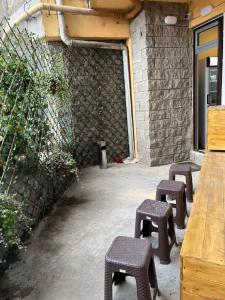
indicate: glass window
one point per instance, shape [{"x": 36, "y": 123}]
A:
[
  {"x": 208, "y": 36},
  {"x": 207, "y": 77}
]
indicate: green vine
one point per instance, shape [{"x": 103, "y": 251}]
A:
[
  {"x": 12, "y": 222},
  {"x": 61, "y": 162},
  {"x": 36, "y": 132},
  {"x": 23, "y": 126}
]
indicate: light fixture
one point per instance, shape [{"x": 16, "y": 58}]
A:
[
  {"x": 206, "y": 10},
  {"x": 171, "y": 20}
]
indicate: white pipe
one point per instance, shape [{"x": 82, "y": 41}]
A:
[
  {"x": 128, "y": 102},
  {"x": 104, "y": 45}
]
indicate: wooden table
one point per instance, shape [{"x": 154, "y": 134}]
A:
[{"x": 202, "y": 258}]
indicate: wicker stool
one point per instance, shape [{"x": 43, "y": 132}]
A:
[
  {"x": 162, "y": 215},
  {"x": 131, "y": 257},
  {"x": 176, "y": 190},
  {"x": 185, "y": 170}
]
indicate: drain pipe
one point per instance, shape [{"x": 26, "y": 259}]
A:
[
  {"x": 126, "y": 71},
  {"x": 104, "y": 45}
]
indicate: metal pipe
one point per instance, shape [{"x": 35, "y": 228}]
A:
[
  {"x": 74, "y": 10},
  {"x": 81, "y": 43},
  {"x": 104, "y": 45},
  {"x": 89, "y": 3},
  {"x": 128, "y": 102}
]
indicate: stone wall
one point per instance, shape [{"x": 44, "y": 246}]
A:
[
  {"x": 98, "y": 101},
  {"x": 163, "y": 84},
  {"x": 141, "y": 84}
]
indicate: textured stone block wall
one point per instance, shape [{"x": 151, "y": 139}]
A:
[
  {"x": 141, "y": 84},
  {"x": 98, "y": 101},
  {"x": 163, "y": 84}
]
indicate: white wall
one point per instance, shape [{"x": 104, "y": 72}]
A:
[
  {"x": 3, "y": 9},
  {"x": 33, "y": 24},
  {"x": 14, "y": 5}
]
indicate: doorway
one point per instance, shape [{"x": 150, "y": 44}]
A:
[{"x": 207, "y": 76}]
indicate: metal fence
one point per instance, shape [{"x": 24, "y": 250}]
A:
[
  {"x": 98, "y": 101},
  {"x": 36, "y": 126}
]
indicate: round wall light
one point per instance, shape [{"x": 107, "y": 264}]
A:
[
  {"x": 206, "y": 10},
  {"x": 171, "y": 20}
]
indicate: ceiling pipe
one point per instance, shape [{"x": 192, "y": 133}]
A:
[
  {"x": 74, "y": 10},
  {"x": 105, "y": 45}
]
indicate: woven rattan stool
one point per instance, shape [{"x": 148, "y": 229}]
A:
[
  {"x": 157, "y": 216},
  {"x": 185, "y": 170},
  {"x": 176, "y": 190},
  {"x": 131, "y": 257}
]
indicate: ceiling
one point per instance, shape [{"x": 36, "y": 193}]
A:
[{"x": 125, "y": 4}]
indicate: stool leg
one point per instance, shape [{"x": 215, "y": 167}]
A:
[
  {"x": 171, "y": 231},
  {"x": 164, "y": 249},
  {"x": 171, "y": 175},
  {"x": 160, "y": 196},
  {"x": 153, "y": 278},
  {"x": 119, "y": 278},
  {"x": 108, "y": 283},
  {"x": 185, "y": 203},
  {"x": 147, "y": 228},
  {"x": 137, "y": 226},
  {"x": 189, "y": 185},
  {"x": 143, "y": 288},
  {"x": 180, "y": 212}
]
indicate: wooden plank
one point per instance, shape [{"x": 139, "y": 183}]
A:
[
  {"x": 216, "y": 128},
  {"x": 194, "y": 237},
  {"x": 203, "y": 288},
  {"x": 204, "y": 271},
  {"x": 203, "y": 251},
  {"x": 187, "y": 296}
]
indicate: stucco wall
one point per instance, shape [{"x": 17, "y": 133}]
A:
[
  {"x": 14, "y": 5},
  {"x": 3, "y": 9},
  {"x": 163, "y": 84},
  {"x": 98, "y": 99}
]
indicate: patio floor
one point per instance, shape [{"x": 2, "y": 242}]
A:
[{"x": 65, "y": 258}]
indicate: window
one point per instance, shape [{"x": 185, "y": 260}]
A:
[{"x": 207, "y": 76}]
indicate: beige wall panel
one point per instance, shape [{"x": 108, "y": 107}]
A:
[
  {"x": 85, "y": 27},
  {"x": 96, "y": 27},
  {"x": 196, "y": 6}
]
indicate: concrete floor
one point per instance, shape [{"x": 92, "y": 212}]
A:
[{"x": 65, "y": 258}]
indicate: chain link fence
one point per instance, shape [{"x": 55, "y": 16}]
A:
[
  {"x": 36, "y": 131},
  {"x": 98, "y": 101},
  {"x": 56, "y": 104}
]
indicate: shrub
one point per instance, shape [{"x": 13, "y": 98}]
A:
[
  {"x": 13, "y": 223},
  {"x": 61, "y": 162}
]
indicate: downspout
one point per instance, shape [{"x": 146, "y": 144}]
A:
[
  {"x": 104, "y": 45},
  {"x": 128, "y": 102}
]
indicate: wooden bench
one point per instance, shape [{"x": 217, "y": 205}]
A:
[{"x": 202, "y": 258}]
